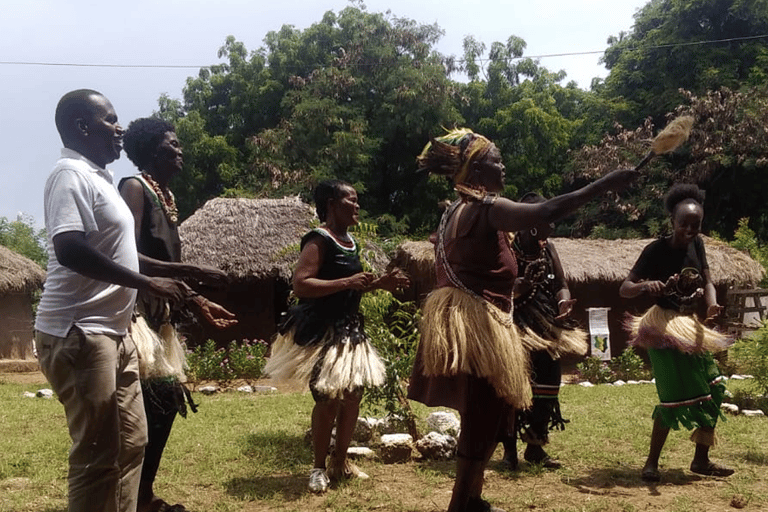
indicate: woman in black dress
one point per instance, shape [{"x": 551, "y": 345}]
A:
[{"x": 322, "y": 342}]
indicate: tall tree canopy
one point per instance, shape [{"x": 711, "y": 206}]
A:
[
  {"x": 696, "y": 45},
  {"x": 354, "y": 97}
]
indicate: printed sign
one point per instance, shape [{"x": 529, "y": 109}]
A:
[{"x": 599, "y": 334}]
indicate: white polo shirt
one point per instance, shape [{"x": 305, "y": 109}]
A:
[{"x": 80, "y": 196}]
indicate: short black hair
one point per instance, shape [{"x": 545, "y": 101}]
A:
[
  {"x": 325, "y": 190},
  {"x": 73, "y": 105},
  {"x": 142, "y": 138},
  {"x": 682, "y": 192}
]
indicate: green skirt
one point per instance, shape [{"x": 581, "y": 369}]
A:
[{"x": 690, "y": 388}]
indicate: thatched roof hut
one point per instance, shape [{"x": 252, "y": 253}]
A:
[
  {"x": 19, "y": 277},
  {"x": 256, "y": 242},
  {"x": 18, "y": 274},
  {"x": 586, "y": 260},
  {"x": 595, "y": 270}
]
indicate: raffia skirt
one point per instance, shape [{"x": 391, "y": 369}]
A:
[
  {"x": 463, "y": 339},
  {"x": 688, "y": 381},
  {"x": 342, "y": 360}
]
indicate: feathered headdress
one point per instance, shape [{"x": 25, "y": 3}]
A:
[{"x": 452, "y": 153}]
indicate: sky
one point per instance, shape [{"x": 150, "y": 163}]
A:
[{"x": 190, "y": 32}]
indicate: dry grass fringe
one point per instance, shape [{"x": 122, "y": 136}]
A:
[
  {"x": 160, "y": 354},
  {"x": 344, "y": 366},
  {"x": 677, "y": 330},
  {"x": 460, "y": 335}
]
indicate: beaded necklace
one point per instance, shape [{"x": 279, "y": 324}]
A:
[
  {"x": 164, "y": 197},
  {"x": 442, "y": 258}
]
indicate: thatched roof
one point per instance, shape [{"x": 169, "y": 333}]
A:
[
  {"x": 18, "y": 274},
  {"x": 251, "y": 237},
  {"x": 611, "y": 260}
]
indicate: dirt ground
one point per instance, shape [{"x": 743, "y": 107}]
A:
[{"x": 575, "y": 488}]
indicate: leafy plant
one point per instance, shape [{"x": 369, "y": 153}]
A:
[
  {"x": 393, "y": 328},
  {"x": 629, "y": 366},
  {"x": 595, "y": 370},
  {"x": 750, "y": 355},
  {"x": 243, "y": 361}
]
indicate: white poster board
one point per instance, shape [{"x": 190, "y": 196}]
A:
[{"x": 599, "y": 334}]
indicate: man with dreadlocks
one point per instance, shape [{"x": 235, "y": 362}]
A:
[{"x": 471, "y": 357}]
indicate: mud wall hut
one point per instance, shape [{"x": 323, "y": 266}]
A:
[
  {"x": 256, "y": 242},
  {"x": 19, "y": 278},
  {"x": 595, "y": 270}
]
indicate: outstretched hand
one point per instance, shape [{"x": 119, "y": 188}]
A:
[
  {"x": 170, "y": 289},
  {"x": 392, "y": 281},
  {"x": 619, "y": 179},
  {"x": 214, "y": 313}
]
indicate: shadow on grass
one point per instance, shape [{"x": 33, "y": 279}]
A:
[
  {"x": 282, "y": 460},
  {"x": 278, "y": 451},
  {"x": 599, "y": 480},
  {"x": 755, "y": 458},
  {"x": 286, "y": 487}
]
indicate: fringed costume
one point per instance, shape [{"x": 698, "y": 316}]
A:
[
  {"x": 161, "y": 356},
  {"x": 680, "y": 346},
  {"x": 535, "y": 314},
  {"x": 471, "y": 357},
  {"x": 322, "y": 342}
]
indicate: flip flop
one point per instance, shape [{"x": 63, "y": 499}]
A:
[{"x": 712, "y": 469}]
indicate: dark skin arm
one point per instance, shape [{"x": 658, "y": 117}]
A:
[
  {"x": 634, "y": 286},
  {"x": 133, "y": 194},
  {"x": 74, "y": 252},
  {"x": 509, "y": 216},
  {"x": 563, "y": 296},
  {"x": 306, "y": 284}
]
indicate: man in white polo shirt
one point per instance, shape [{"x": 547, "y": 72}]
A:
[{"x": 81, "y": 329}]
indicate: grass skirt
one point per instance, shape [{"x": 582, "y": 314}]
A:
[
  {"x": 661, "y": 328},
  {"x": 463, "y": 335},
  {"x": 688, "y": 381},
  {"x": 334, "y": 365},
  {"x": 160, "y": 352}
]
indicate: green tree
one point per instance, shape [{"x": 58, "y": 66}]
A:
[
  {"x": 696, "y": 45},
  {"x": 525, "y": 110},
  {"x": 20, "y": 236},
  {"x": 354, "y": 96},
  {"x": 726, "y": 155}
]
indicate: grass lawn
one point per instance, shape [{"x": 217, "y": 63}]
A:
[{"x": 248, "y": 453}]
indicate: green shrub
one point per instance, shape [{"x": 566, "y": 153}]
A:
[
  {"x": 595, "y": 370},
  {"x": 750, "y": 355},
  {"x": 629, "y": 366},
  {"x": 238, "y": 361},
  {"x": 393, "y": 329}
]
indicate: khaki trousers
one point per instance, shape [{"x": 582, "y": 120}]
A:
[{"x": 96, "y": 378}]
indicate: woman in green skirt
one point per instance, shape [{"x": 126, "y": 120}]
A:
[{"x": 674, "y": 270}]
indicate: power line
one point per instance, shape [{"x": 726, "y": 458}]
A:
[{"x": 542, "y": 56}]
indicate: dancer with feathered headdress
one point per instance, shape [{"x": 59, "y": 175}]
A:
[{"x": 471, "y": 357}]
